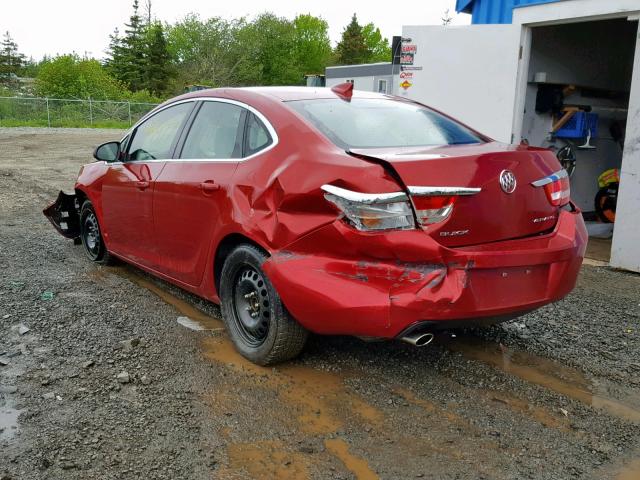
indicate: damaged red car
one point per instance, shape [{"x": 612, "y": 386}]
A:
[{"x": 329, "y": 211}]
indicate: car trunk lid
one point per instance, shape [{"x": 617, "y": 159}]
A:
[{"x": 490, "y": 214}]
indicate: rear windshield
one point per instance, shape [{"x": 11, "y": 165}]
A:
[{"x": 380, "y": 123}]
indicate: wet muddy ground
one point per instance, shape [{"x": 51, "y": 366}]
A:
[{"x": 123, "y": 376}]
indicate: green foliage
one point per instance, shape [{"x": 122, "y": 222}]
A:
[
  {"x": 11, "y": 60},
  {"x": 352, "y": 49},
  {"x": 270, "y": 43},
  {"x": 140, "y": 59},
  {"x": 269, "y": 50},
  {"x": 158, "y": 62},
  {"x": 208, "y": 52},
  {"x": 378, "y": 47},
  {"x": 312, "y": 44},
  {"x": 69, "y": 76},
  {"x": 362, "y": 45}
]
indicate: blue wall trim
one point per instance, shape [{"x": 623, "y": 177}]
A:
[{"x": 494, "y": 11}]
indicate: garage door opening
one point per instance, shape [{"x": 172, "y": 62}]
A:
[{"x": 577, "y": 99}]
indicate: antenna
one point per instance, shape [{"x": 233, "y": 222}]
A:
[{"x": 343, "y": 90}]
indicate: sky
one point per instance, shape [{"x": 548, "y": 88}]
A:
[{"x": 63, "y": 26}]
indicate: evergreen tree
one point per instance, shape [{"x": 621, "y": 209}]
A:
[
  {"x": 133, "y": 50},
  {"x": 126, "y": 60},
  {"x": 11, "y": 60},
  {"x": 352, "y": 48},
  {"x": 158, "y": 60}
]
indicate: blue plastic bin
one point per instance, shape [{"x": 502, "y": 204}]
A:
[{"x": 579, "y": 125}]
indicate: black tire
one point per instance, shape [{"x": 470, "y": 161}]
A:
[
  {"x": 258, "y": 323},
  {"x": 91, "y": 236},
  {"x": 605, "y": 203}
]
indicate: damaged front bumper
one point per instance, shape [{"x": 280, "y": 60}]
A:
[
  {"x": 339, "y": 281},
  {"x": 64, "y": 215}
]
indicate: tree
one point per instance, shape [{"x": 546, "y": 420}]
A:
[
  {"x": 210, "y": 52},
  {"x": 352, "y": 48},
  {"x": 69, "y": 76},
  {"x": 378, "y": 48},
  {"x": 126, "y": 54},
  {"x": 157, "y": 67},
  {"x": 311, "y": 43},
  {"x": 270, "y": 41},
  {"x": 11, "y": 60}
]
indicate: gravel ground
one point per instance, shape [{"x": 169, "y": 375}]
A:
[{"x": 107, "y": 384}]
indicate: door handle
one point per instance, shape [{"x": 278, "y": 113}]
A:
[
  {"x": 209, "y": 186},
  {"x": 142, "y": 184}
]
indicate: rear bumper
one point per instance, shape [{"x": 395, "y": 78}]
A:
[{"x": 339, "y": 281}]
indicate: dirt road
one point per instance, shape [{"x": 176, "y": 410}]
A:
[{"x": 106, "y": 383}]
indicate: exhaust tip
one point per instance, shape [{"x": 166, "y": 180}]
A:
[{"x": 418, "y": 339}]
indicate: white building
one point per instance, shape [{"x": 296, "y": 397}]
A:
[{"x": 372, "y": 77}]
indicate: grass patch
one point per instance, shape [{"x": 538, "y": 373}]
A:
[{"x": 12, "y": 122}]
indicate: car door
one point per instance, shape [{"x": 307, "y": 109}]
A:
[
  {"x": 191, "y": 192},
  {"x": 127, "y": 188}
]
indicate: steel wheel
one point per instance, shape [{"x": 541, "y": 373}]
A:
[
  {"x": 252, "y": 306},
  {"x": 259, "y": 325},
  {"x": 91, "y": 236}
]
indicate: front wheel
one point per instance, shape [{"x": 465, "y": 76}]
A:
[
  {"x": 91, "y": 236},
  {"x": 258, "y": 323}
]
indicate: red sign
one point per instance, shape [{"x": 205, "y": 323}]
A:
[{"x": 406, "y": 59}]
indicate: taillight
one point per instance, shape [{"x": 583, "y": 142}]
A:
[
  {"x": 556, "y": 187},
  {"x": 372, "y": 211},
  {"x": 435, "y": 204},
  {"x": 430, "y": 210}
]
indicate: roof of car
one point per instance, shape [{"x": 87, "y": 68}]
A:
[
  {"x": 285, "y": 94},
  {"x": 307, "y": 93}
]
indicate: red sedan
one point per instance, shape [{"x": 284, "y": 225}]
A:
[{"x": 329, "y": 211}]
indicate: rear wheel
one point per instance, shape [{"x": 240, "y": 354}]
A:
[
  {"x": 91, "y": 236},
  {"x": 259, "y": 325}
]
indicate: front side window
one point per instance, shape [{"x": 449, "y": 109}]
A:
[
  {"x": 381, "y": 122},
  {"x": 215, "y": 133},
  {"x": 153, "y": 139},
  {"x": 258, "y": 137}
]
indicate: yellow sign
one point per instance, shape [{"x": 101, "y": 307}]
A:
[{"x": 406, "y": 84}]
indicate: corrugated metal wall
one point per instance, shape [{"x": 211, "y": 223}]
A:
[{"x": 494, "y": 11}]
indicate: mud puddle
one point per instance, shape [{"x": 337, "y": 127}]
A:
[
  {"x": 266, "y": 459},
  {"x": 630, "y": 472},
  {"x": 545, "y": 373},
  {"x": 354, "y": 464}
]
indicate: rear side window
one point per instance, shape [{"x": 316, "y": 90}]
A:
[
  {"x": 257, "y": 136},
  {"x": 380, "y": 123},
  {"x": 154, "y": 138},
  {"x": 216, "y": 132}
]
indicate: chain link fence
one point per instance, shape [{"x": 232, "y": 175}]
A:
[{"x": 56, "y": 112}]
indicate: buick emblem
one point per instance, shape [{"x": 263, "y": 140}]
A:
[{"x": 508, "y": 181}]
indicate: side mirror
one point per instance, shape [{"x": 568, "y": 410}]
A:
[{"x": 107, "y": 152}]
